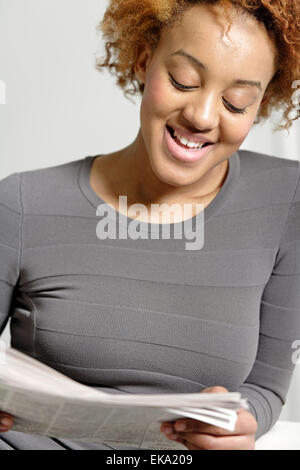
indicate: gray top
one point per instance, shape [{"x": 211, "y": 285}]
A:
[{"x": 147, "y": 315}]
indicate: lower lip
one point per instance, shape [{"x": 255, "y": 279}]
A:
[{"x": 182, "y": 154}]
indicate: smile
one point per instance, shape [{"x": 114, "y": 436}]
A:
[{"x": 182, "y": 152}]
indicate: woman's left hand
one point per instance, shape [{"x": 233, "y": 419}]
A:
[{"x": 198, "y": 435}]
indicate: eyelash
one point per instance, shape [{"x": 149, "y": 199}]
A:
[{"x": 186, "y": 88}]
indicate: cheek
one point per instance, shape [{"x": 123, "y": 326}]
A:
[
  {"x": 155, "y": 98},
  {"x": 235, "y": 132}
]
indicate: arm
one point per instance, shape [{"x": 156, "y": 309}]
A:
[
  {"x": 267, "y": 384},
  {"x": 10, "y": 227}
]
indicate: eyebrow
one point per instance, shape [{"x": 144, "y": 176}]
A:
[{"x": 197, "y": 62}]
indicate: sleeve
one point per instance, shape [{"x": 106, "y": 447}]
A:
[
  {"x": 267, "y": 384},
  {"x": 10, "y": 243}
]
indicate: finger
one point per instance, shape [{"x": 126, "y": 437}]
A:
[
  {"x": 167, "y": 426},
  {"x": 215, "y": 389},
  {"x": 6, "y": 420},
  {"x": 200, "y": 427},
  {"x": 2, "y": 429},
  {"x": 209, "y": 442},
  {"x": 188, "y": 445},
  {"x": 3, "y": 414},
  {"x": 245, "y": 424}
]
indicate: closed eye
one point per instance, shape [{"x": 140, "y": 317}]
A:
[
  {"x": 187, "y": 88},
  {"x": 178, "y": 85},
  {"x": 233, "y": 108}
]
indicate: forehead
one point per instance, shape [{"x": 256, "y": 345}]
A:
[{"x": 202, "y": 32}]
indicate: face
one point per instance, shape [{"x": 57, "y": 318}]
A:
[{"x": 215, "y": 106}]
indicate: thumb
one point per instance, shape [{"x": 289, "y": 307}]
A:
[{"x": 215, "y": 389}]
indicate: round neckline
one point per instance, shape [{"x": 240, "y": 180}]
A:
[{"x": 208, "y": 212}]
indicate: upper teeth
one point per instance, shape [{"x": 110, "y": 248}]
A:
[{"x": 188, "y": 143}]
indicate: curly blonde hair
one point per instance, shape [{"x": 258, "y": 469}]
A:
[{"x": 128, "y": 23}]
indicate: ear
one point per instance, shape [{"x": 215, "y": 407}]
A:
[{"x": 143, "y": 58}]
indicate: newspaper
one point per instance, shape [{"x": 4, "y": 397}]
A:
[{"x": 46, "y": 402}]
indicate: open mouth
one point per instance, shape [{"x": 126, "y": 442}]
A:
[{"x": 171, "y": 132}]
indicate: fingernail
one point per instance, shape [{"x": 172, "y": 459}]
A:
[
  {"x": 180, "y": 426},
  {"x": 6, "y": 421},
  {"x": 172, "y": 436},
  {"x": 168, "y": 430}
]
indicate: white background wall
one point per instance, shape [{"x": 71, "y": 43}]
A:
[{"x": 59, "y": 108}]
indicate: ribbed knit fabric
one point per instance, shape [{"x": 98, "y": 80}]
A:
[{"x": 147, "y": 315}]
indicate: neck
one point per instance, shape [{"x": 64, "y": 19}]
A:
[{"x": 134, "y": 169}]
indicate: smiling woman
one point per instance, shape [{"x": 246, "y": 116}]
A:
[
  {"x": 145, "y": 315},
  {"x": 206, "y": 70}
]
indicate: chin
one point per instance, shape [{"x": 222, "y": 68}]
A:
[{"x": 165, "y": 171}]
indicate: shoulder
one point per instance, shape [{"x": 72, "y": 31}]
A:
[
  {"x": 254, "y": 162},
  {"x": 45, "y": 190},
  {"x": 10, "y": 220},
  {"x": 10, "y": 192},
  {"x": 271, "y": 176}
]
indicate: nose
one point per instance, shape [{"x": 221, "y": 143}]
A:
[{"x": 201, "y": 113}]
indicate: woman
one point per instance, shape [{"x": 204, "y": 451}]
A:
[{"x": 144, "y": 315}]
